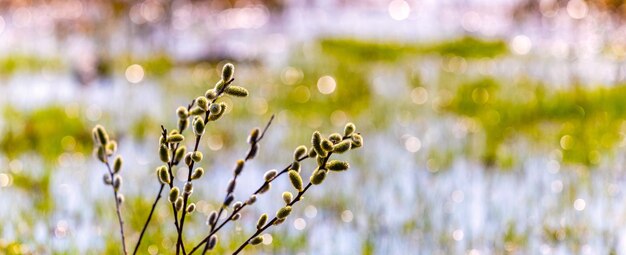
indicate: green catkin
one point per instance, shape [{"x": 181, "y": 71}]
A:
[
  {"x": 318, "y": 177},
  {"x": 296, "y": 180},
  {"x": 265, "y": 188},
  {"x": 237, "y": 205},
  {"x": 320, "y": 160},
  {"x": 196, "y": 156},
  {"x": 287, "y": 197},
  {"x": 254, "y": 135},
  {"x": 106, "y": 178},
  {"x": 312, "y": 153},
  {"x": 188, "y": 159},
  {"x": 210, "y": 94},
  {"x": 254, "y": 149},
  {"x": 236, "y": 91},
  {"x": 197, "y": 174},
  {"x": 342, "y": 146},
  {"x": 357, "y": 141},
  {"x": 220, "y": 113},
  {"x": 299, "y": 152},
  {"x": 100, "y": 154},
  {"x": 327, "y": 146},
  {"x": 197, "y": 111},
  {"x": 236, "y": 217},
  {"x": 164, "y": 154},
  {"x": 239, "y": 166},
  {"x": 117, "y": 164},
  {"x": 174, "y": 192},
  {"x": 219, "y": 86},
  {"x": 316, "y": 141},
  {"x": 179, "y": 203},
  {"x": 337, "y": 165},
  {"x": 111, "y": 147},
  {"x": 198, "y": 127},
  {"x": 229, "y": 199},
  {"x": 257, "y": 240},
  {"x": 261, "y": 222},
  {"x": 174, "y": 132},
  {"x": 215, "y": 109},
  {"x": 295, "y": 166},
  {"x": 203, "y": 103},
  {"x": 183, "y": 124},
  {"x": 212, "y": 217},
  {"x": 180, "y": 153},
  {"x": 270, "y": 174},
  {"x": 191, "y": 208},
  {"x": 182, "y": 112},
  {"x": 278, "y": 222},
  {"x": 164, "y": 175},
  {"x": 117, "y": 182},
  {"x": 176, "y": 138},
  {"x": 251, "y": 200},
  {"x": 283, "y": 212},
  {"x": 101, "y": 134},
  {"x": 335, "y": 138},
  {"x": 349, "y": 129},
  {"x": 188, "y": 188},
  {"x": 227, "y": 72},
  {"x": 212, "y": 242},
  {"x": 161, "y": 140}
]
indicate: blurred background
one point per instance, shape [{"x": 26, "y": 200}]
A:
[{"x": 491, "y": 127}]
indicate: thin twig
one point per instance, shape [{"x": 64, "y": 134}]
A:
[
  {"x": 248, "y": 157},
  {"x": 117, "y": 207},
  {"x": 258, "y": 191},
  {"x": 156, "y": 200},
  {"x": 186, "y": 198}
]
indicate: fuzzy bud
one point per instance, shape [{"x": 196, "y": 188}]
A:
[
  {"x": 219, "y": 86},
  {"x": 100, "y": 135},
  {"x": 229, "y": 199},
  {"x": 236, "y": 216},
  {"x": 197, "y": 174},
  {"x": 183, "y": 123},
  {"x": 254, "y": 135},
  {"x": 269, "y": 175},
  {"x": 327, "y": 145},
  {"x": 254, "y": 149},
  {"x": 265, "y": 188},
  {"x": 239, "y": 167},
  {"x": 164, "y": 175},
  {"x": 212, "y": 218},
  {"x": 197, "y": 111},
  {"x": 196, "y": 156},
  {"x": 106, "y": 178},
  {"x": 117, "y": 182},
  {"x": 335, "y": 138},
  {"x": 296, "y": 180},
  {"x": 337, "y": 165},
  {"x": 215, "y": 109},
  {"x": 236, "y": 91},
  {"x": 164, "y": 154},
  {"x": 295, "y": 166},
  {"x": 279, "y": 221},
  {"x": 100, "y": 154},
  {"x": 257, "y": 240},
  {"x": 198, "y": 126},
  {"x": 287, "y": 197},
  {"x": 212, "y": 242},
  {"x": 251, "y": 200},
  {"x": 318, "y": 177},
  {"x": 174, "y": 192},
  {"x": 182, "y": 112},
  {"x": 342, "y": 146},
  {"x": 320, "y": 161},
  {"x": 357, "y": 141},
  {"x": 283, "y": 212},
  {"x": 227, "y": 72},
  {"x": 349, "y": 129},
  {"x": 117, "y": 164},
  {"x": 237, "y": 205},
  {"x": 180, "y": 153},
  {"x": 210, "y": 94},
  {"x": 120, "y": 198},
  {"x": 316, "y": 141},
  {"x": 188, "y": 159},
  {"x": 111, "y": 147},
  {"x": 178, "y": 204},
  {"x": 176, "y": 138},
  {"x": 299, "y": 152},
  {"x": 188, "y": 188},
  {"x": 262, "y": 220},
  {"x": 191, "y": 208},
  {"x": 203, "y": 103},
  {"x": 312, "y": 153},
  {"x": 220, "y": 113},
  {"x": 231, "y": 186}
]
